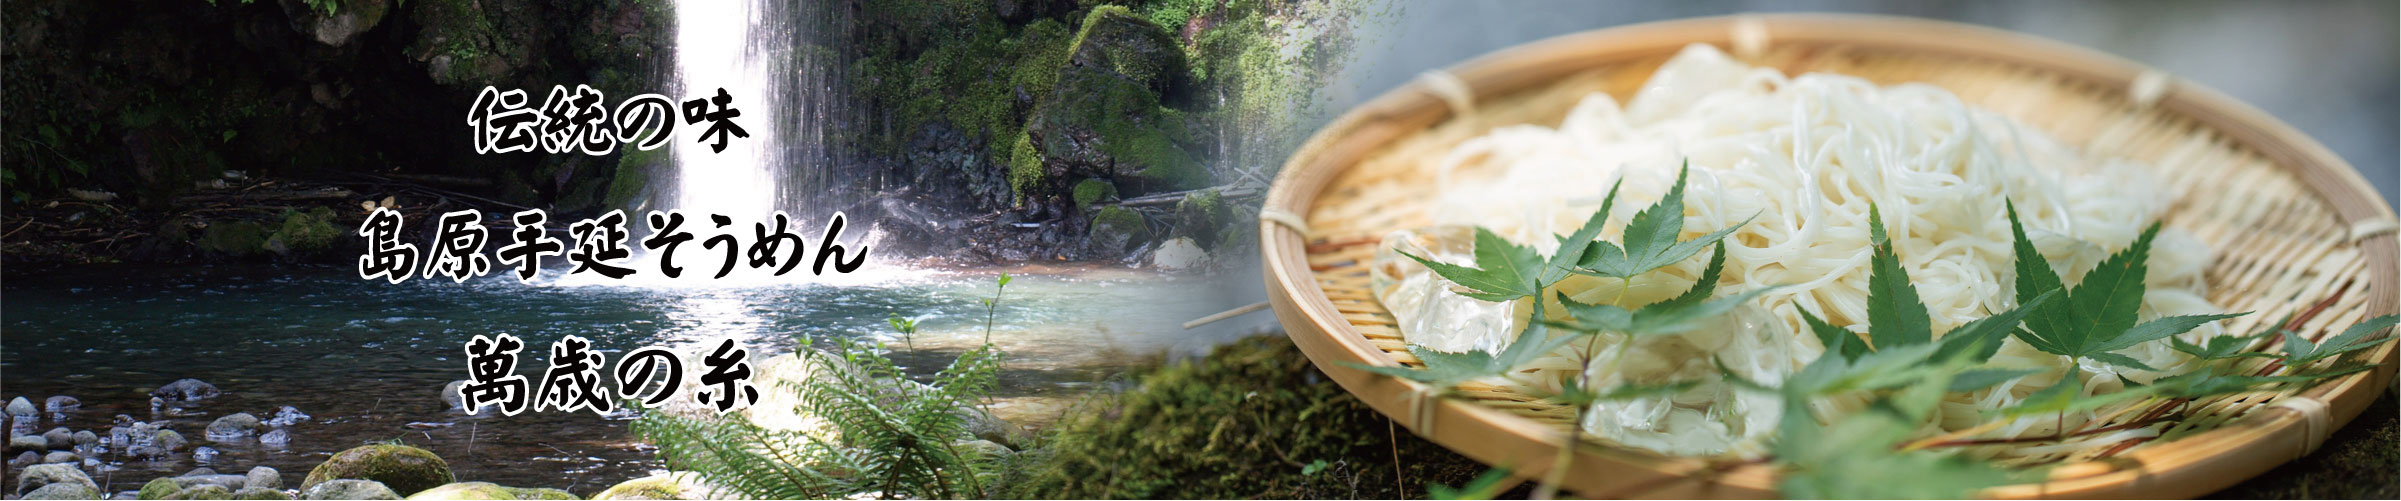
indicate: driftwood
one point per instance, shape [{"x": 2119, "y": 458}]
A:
[{"x": 1169, "y": 199}]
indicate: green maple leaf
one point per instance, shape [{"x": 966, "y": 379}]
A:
[
  {"x": 2229, "y": 346},
  {"x": 2098, "y": 316},
  {"x": 1443, "y": 369},
  {"x": 2067, "y": 395},
  {"x": 1895, "y": 314},
  {"x": 1677, "y": 315},
  {"x": 1854, "y": 458},
  {"x": 2299, "y": 352},
  {"x": 1650, "y": 239},
  {"x": 1503, "y": 271},
  {"x": 2199, "y": 384}
]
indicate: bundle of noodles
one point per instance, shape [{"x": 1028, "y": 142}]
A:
[{"x": 1806, "y": 155}]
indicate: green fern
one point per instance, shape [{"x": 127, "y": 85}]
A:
[{"x": 887, "y": 436}]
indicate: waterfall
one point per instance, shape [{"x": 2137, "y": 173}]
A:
[{"x": 740, "y": 46}]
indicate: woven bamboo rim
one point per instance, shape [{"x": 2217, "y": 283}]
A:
[{"x": 2296, "y": 229}]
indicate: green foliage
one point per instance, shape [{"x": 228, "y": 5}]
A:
[
  {"x": 2300, "y": 352},
  {"x": 1650, "y": 239},
  {"x": 2097, "y": 317},
  {"x": 888, "y": 435}
]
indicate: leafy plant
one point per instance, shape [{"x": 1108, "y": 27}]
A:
[{"x": 885, "y": 436}]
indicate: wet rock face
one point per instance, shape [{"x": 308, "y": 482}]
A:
[
  {"x": 1119, "y": 42},
  {"x": 401, "y": 468}
]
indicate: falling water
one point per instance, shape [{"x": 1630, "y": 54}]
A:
[{"x": 739, "y": 46}]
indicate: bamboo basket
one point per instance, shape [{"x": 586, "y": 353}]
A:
[{"x": 2297, "y": 231}]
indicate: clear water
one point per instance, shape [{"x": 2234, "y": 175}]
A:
[{"x": 367, "y": 359}]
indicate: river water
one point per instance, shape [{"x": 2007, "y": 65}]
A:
[{"x": 367, "y": 359}]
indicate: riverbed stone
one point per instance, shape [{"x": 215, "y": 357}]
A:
[
  {"x": 287, "y": 416},
  {"x": 670, "y": 485},
  {"x": 59, "y": 438},
  {"x": 260, "y": 493},
  {"x": 86, "y": 437},
  {"x": 20, "y": 407},
  {"x": 62, "y": 403},
  {"x": 29, "y": 458},
  {"x": 488, "y": 490},
  {"x": 403, "y": 469},
  {"x": 36, "y": 476},
  {"x": 64, "y": 491},
  {"x": 61, "y": 457},
  {"x": 263, "y": 477},
  {"x": 1178, "y": 254},
  {"x": 349, "y": 488},
  {"x": 236, "y": 425},
  {"x": 159, "y": 488},
  {"x": 186, "y": 389},
  {"x": 28, "y": 443},
  {"x": 277, "y": 436},
  {"x": 169, "y": 441}
]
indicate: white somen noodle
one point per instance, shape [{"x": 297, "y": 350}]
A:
[{"x": 1806, "y": 155}]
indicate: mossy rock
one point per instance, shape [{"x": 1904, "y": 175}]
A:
[
  {"x": 159, "y": 488},
  {"x": 64, "y": 491},
  {"x": 349, "y": 488},
  {"x": 488, "y": 490},
  {"x": 633, "y": 176},
  {"x": 1090, "y": 191},
  {"x": 1114, "y": 229},
  {"x": 236, "y": 238},
  {"x": 661, "y": 486},
  {"x": 1114, "y": 38},
  {"x": 1114, "y": 128},
  {"x": 1203, "y": 217},
  {"x": 405, "y": 470},
  {"x": 204, "y": 491},
  {"x": 260, "y": 493}
]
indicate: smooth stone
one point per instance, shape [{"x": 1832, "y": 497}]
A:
[
  {"x": 28, "y": 443},
  {"x": 204, "y": 454},
  {"x": 59, "y": 438},
  {"x": 670, "y": 485},
  {"x": 349, "y": 488},
  {"x": 287, "y": 416},
  {"x": 20, "y": 407},
  {"x": 159, "y": 488},
  {"x": 36, "y": 476},
  {"x": 275, "y": 437},
  {"x": 1179, "y": 254},
  {"x": 29, "y": 458},
  {"x": 488, "y": 490},
  {"x": 236, "y": 425},
  {"x": 64, "y": 491},
  {"x": 401, "y": 468},
  {"x": 204, "y": 491},
  {"x": 62, "y": 457},
  {"x": 60, "y": 403},
  {"x": 260, "y": 494},
  {"x": 199, "y": 472},
  {"x": 169, "y": 440},
  {"x": 263, "y": 477},
  {"x": 184, "y": 389},
  {"x": 86, "y": 437}
]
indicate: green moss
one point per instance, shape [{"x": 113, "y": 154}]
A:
[
  {"x": 238, "y": 238},
  {"x": 1093, "y": 190},
  {"x": 632, "y": 176},
  {"x": 205, "y": 491},
  {"x": 260, "y": 494},
  {"x": 1252, "y": 420},
  {"x": 1117, "y": 228},
  {"x": 305, "y": 232},
  {"x": 159, "y": 488},
  {"x": 1025, "y": 165},
  {"x": 406, "y": 470},
  {"x": 488, "y": 490}
]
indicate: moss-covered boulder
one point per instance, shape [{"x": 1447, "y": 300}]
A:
[
  {"x": 349, "y": 488},
  {"x": 1090, "y": 191},
  {"x": 235, "y": 238},
  {"x": 260, "y": 493},
  {"x": 405, "y": 470},
  {"x": 1114, "y": 128},
  {"x": 204, "y": 491},
  {"x": 304, "y": 232},
  {"x": 1116, "y": 229},
  {"x": 488, "y": 490},
  {"x": 37, "y": 476},
  {"x": 671, "y": 485},
  {"x": 1205, "y": 218},
  {"x": 1115, "y": 39},
  {"x": 159, "y": 488},
  {"x": 64, "y": 491}
]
